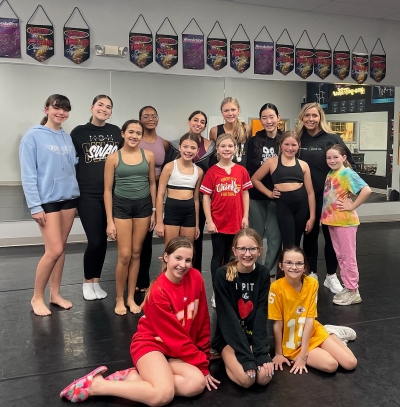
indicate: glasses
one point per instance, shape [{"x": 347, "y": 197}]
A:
[
  {"x": 290, "y": 264},
  {"x": 243, "y": 250},
  {"x": 147, "y": 117}
]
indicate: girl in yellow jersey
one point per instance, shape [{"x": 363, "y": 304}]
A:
[{"x": 300, "y": 340}]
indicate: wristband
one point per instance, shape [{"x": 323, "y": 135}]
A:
[{"x": 153, "y": 209}]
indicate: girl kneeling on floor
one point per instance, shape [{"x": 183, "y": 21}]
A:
[
  {"x": 241, "y": 289},
  {"x": 300, "y": 340},
  {"x": 171, "y": 348}
]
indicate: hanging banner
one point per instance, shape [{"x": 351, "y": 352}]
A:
[
  {"x": 240, "y": 55},
  {"x": 141, "y": 49},
  {"x": 166, "y": 50},
  {"x": 263, "y": 58},
  {"x": 304, "y": 62},
  {"x": 284, "y": 56},
  {"x": 359, "y": 67},
  {"x": 10, "y": 41},
  {"x": 217, "y": 55},
  {"x": 40, "y": 41},
  {"x": 77, "y": 44},
  {"x": 377, "y": 67},
  {"x": 322, "y": 63},
  {"x": 341, "y": 64},
  {"x": 193, "y": 51}
]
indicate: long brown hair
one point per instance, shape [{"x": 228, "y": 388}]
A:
[
  {"x": 231, "y": 268},
  {"x": 279, "y": 270},
  {"x": 238, "y": 129},
  {"x": 58, "y": 101},
  {"x": 341, "y": 150},
  {"x": 322, "y": 121},
  {"x": 173, "y": 245}
]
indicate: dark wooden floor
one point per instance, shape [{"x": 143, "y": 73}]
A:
[{"x": 40, "y": 356}]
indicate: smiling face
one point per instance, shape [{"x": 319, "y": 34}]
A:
[
  {"x": 269, "y": 120},
  {"x": 230, "y": 112},
  {"x": 178, "y": 263},
  {"x": 334, "y": 159},
  {"x": 293, "y": 266},
  {"x": 188, "y": 149},
  {"x": 246, "y": 251},
  {"x": 197, "y": 124},
  {"x": 311, "y": 120},
  {"x": 149, "y": 118},
  {"x": 289, "y": 147},
  {"x": 101, "y": 110},
  {"x": 226, "y": 148},
  {"x": 56, "y": 115},
  {"x": 132, "y": 135}
]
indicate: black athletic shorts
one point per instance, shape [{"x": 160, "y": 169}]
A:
[
  {"x": 178, "y": 212},
  {"x": 60, "y": 206},
  {"x": 124, "y": 208}
]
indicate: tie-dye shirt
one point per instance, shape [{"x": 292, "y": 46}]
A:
[{"x": 341, "y": 184}]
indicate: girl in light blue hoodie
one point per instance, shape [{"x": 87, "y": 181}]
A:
[{"x": 48, "y": 159}]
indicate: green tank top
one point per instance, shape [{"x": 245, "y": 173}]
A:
[{"x": 132, "y": 181}]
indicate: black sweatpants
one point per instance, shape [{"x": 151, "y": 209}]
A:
[
  {"x": 310, "y": 242},
  {"x": 222, "y": 251},
  {"x": 292, "y": 212},
  {"x": 94, "y": 221}
]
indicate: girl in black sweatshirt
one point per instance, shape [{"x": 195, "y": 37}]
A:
[{"x": 241, "y": 290}]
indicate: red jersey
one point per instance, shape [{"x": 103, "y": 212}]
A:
[
  {"x": 226, "y": 191},
  {"x": 176, "y": 321}
]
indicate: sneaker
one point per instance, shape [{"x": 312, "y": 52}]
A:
[
  {"x": 348, "y": 297},
  {"x": 313, "y": 275},
  {"x": 333, "y": 283},
  {"x": 344, "y": 333},
  {"x": 213, "y": 300}
]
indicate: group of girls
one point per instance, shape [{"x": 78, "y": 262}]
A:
[{"x": 171, "y": 347}]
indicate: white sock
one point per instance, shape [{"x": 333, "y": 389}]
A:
[
  {"x": 100, "y": 293},
  {"x": 88, "y": 292}
]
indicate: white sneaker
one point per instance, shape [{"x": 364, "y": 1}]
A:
[
  {"x": 333, "y": 283},
  {"x": 213, "y": 300},
  {"x": 344, "y": 333},
  {"x": 313, "y": 275},
  {"x": 347, "y": 297}
]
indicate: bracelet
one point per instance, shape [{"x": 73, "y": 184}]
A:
[
  {"x": 305, "y": 360},
  {"x": 153, "y": 209}
]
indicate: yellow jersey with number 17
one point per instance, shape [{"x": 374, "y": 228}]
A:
[{"x": 292, "y": 308}]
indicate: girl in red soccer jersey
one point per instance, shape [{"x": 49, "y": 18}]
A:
[
  {"x": 300, "y": 340},
  {"x": 171, "y": 348},
  {"x": 225, "y": 201}
]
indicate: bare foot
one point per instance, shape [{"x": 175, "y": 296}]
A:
[
  {"x": 133, "y": 307},
  {"x": 133, "y": 376},
  {"x": 97, "y": 383},
  {"x": 60, "y": 301},
  {"x": 120, "y": 308},
  {"x": 39, "y": 307}
]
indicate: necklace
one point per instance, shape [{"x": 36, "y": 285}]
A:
[{"x": 240, "y": 152}]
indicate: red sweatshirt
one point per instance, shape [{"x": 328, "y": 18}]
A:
[{"x": 176, "y": 321}]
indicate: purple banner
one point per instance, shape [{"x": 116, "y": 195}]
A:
[
  {"x": 39, "y": 41},
  {"x": 77, "y": 44},
  {"x": 284, "y": 58},
  {"x": 377, "y": 67},
  {"x": 263, "y": 58},
  {"x": 166, "y": 50},
  {"x": 359, "y": 67},
  {"x": 193, "y": 51},
  {"x": 322, "y": 63},
  {"x": 217, "y": 56},
  {"x": 10, "y": 41},
  {"x": 141, "y": 49},
  {"x": 304, "y": 62}
]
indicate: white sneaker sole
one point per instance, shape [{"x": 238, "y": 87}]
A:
[
  {"x": 350, "y": 333},
  {"x": 355, "y": 300},
  {"x": 332, "y": 290}
]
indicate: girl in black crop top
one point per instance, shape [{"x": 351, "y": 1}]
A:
[{"x": 293, "y": 190}]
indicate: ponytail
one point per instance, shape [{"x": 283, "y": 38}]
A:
[
  {"x": 43, "y": 121},
  {"x": 231, "y": 270}
]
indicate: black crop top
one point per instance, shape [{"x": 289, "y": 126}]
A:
[{"x": 283, "y": 174}]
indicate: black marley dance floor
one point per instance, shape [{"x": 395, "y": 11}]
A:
[{"x": 40, "y": 356}]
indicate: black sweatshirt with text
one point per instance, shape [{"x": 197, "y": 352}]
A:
[{"x": 241, "y": 315}]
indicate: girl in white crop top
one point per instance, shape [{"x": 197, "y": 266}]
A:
[{"x": 181, "y": 179}]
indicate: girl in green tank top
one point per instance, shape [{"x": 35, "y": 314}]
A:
[{"x": 131, "y": 210}]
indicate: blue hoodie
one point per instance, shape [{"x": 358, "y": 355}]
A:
[{"x": 48, "y": 161}]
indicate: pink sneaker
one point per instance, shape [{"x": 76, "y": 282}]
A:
[
  {"x": 79, "y": 390},
  {"x": 120, "y": 375}
]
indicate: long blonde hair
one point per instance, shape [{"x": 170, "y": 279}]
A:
[
  {"x": 231, "y": 268},
  {"x": 322, "y": 122},
  {"x": 238, "y": 130},
  {"x": 221, "y": 138}
]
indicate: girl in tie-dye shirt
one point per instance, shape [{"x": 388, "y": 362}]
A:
[{"x": 344, "y": 192}]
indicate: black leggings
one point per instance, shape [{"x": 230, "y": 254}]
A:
[
  {"x": 143, "y": 280},
  {"x": 310, "y": 242},
  {"x": 222, "y": 251},
  {"x": 94, "y": 221},
  {"x": 292, "y": 211},
  {"x": 198, "y": 243}
]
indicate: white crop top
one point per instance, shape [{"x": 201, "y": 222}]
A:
[{"x": 178, "y": 180}]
